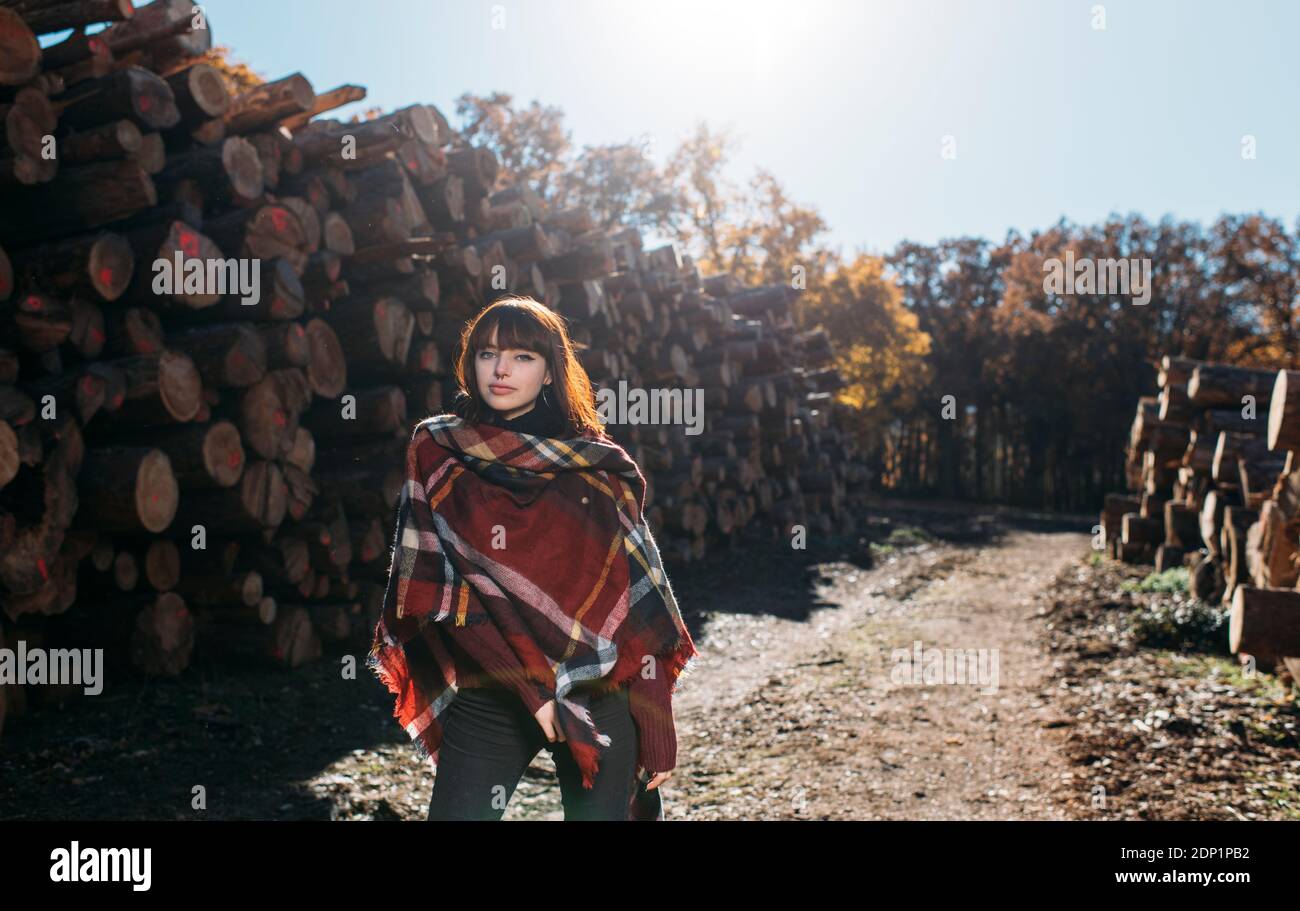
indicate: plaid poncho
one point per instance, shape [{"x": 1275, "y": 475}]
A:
[{"x": 534, "y": 554}]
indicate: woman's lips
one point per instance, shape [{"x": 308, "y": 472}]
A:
[{"x": 496, "y": 387}]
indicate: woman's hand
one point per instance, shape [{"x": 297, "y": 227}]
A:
[
  {"x": 546, "y": 717},
  {"x": 657, "y": 779}
]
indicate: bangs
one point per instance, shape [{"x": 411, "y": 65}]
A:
[
  {"x": 525, "y": 324},
  {"x": 515, "y": 327}
]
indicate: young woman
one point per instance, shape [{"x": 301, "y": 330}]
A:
[{"x": 527, "y": 604}]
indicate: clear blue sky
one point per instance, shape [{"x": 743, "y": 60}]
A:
[{"x": 846, "y": 101}]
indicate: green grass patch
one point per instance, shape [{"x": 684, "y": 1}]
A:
[
  {"x": 1262, "y": 683},
  {"x": 1181, "y": 624},
  {"x": 901, "y": 538},
  {"x": 1176, "y": 580}
]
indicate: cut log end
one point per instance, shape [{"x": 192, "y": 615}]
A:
[
  {"x": 243, "y": 166},
  {"x": 111, "y": 266},
  {"x": 20, "y": 53},
  {"x": 1284, "y": 411},
  {"x": 156, "y": 493},
  {"x": 180, "y": 385},
  {"x": 223, "y": 454}
]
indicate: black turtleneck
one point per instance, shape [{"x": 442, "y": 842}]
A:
[{"x": 541, "y": 420}]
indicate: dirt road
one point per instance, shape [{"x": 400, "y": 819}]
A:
[{"x": 809, "y": 720}]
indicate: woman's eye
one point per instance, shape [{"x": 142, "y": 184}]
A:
[{"x": 526, "y": 357}]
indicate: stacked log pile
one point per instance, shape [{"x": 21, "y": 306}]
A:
[
  {"x": 1215, "y": 486},
  {"x": 181, "y": 464}
]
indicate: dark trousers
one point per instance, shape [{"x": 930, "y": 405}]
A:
[{"x": 490, "y": 738}]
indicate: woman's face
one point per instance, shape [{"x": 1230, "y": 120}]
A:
[{"x": 510, "y": 379}]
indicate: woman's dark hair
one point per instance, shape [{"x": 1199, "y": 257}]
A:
[{"x": 523, "y": 323}]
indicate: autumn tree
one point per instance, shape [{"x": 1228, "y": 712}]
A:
[
  {"x": 709, "y": 203},
  {"x": 881, "y": 350},
  {"x": 531, "y": 144},
  {"x": 239, "y": 75},
  {"x": 621, "y": 186}
]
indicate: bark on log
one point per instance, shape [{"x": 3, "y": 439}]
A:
[
  {"x": 115, "y": 139},
  {"x": 133, "y": 93},
  {"x": 203, "y": 455},
  {"x": 101, "y": 263},
  {"x": 267, "y": 103},
  {"x": 226, "y": 354},
  {"x": 258, "y": 502},
  {"x": 1265, "y": 623},
  {"x": 162, "y": 388},
  {"x": 127, "y": 488},
  {"x": 1221, "y": 385},
  {"x": 83, "y": 197}
]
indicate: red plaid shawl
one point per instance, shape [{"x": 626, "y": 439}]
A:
[{"x": 539, "y": 549}]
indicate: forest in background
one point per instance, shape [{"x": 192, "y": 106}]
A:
[{"x": 1042, "y": 384}]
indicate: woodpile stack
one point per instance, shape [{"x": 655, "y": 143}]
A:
[
  {"x": 1215, "y": 486},
  {"x": 181, "y": 464}
]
